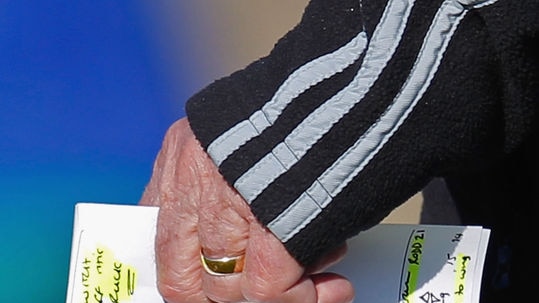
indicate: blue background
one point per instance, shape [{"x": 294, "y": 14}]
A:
[{"x": 84, "y": 104}]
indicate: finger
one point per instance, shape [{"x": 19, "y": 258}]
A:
[
  {"x": 224, "y": 288},
  {"x": 303, "y": 291},
  {"x": 175, "y": 188},
  {"x": 333, "y": 288},
  {"x": 270, "y": 271},
  {"x": 319, "y": 288},
  {"x": 271, "y": 274},
  {"x": 177, "y": 256},
  {"x": 224, "y": 219}
]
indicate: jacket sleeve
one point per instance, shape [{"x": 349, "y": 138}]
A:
[{"x": 361, "y": 104}]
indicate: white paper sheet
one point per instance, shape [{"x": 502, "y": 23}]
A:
[
  {"x": 112, "y": 254},
  {"x": 416, "y": 263},
  {"x": 113, "y": 260}
]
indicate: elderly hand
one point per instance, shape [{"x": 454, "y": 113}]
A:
[{"x": 199, "y": 211}]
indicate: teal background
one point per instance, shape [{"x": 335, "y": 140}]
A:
[{"x": 85, "y": 100}]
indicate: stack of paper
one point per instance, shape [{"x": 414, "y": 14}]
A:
[{"x": 113, "y": 260}]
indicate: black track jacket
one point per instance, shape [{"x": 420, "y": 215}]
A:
[{"x": 361, "y": 104}]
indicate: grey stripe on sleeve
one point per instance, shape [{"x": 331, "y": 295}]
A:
[
  {"x": 385, "y": 40},
  {"x": 332, "y": 181},
  {"x": 298, "y": 82}
]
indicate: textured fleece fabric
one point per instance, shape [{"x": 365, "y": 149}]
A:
[{"x": 361, "y": 104}]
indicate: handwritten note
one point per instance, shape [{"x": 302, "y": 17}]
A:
[
  {"x": 413, "y": 264},
  {"x": 416, "y": 263},
  {"x": 112, "y": 255},
  {"x": 113, "y": 260},
  {"x": 103, "y": 276}
]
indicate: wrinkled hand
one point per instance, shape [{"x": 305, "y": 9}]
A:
[{"x": 199, "y": 210}]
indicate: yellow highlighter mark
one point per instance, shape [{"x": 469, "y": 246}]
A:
[
  {"x": 460, "y": 276},
  {"x": 106, "y": 279}
]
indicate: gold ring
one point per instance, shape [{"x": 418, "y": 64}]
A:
[{"x": 222, "y": 266}]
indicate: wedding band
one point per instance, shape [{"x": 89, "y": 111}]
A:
[{"x": 222, "y": 266}]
